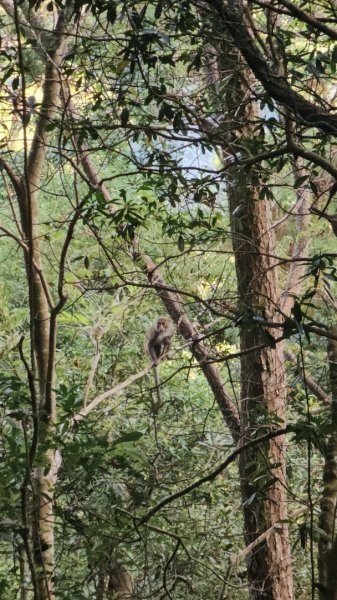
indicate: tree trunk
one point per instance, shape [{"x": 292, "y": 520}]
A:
[
  {"x": 263, "y": 376},
  {"x": 114, "y": 583},
  {"x": 327, "y": 547},
  {"x": 39, "y": 483},
  {"x": 263, "y": 391}
]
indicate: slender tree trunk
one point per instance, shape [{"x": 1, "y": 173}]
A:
[
  {"x": 297, "y": 269},
  {"x": 39, "y": 483},
  {"x": 23, "y": 572}
]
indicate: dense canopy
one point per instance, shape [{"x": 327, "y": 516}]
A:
[{"x": 170, "y": 159}]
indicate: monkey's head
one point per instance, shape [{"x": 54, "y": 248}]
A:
[{"x": 163, "y": 323}]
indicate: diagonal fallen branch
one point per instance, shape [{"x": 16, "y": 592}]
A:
[{"x": 114, "y": 391}]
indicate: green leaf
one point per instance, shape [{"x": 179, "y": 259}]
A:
[
  {"x": 314, "y": 187},
  {"x": 158, "y": 10},
  {"x": 280, "y": 164},
  {"x": 288, "y": 328},
  {"x": 297, "y": 312},
  {"x": 302, "y": 532},
  {"x": 15, "y": 83},
  {"x": 111, "y": 12},
  {"x": 132, "y": 436},
  {"x": 181, "y": 243},
  {"x": 267, "y": 338},
  {"x": 306, "y": 333},
  {"x": 50, "y": 126},
  {"x": 121, "y": 66},
  {"x": 300, "y": 180},
  {"x": 125, "y": 116}
]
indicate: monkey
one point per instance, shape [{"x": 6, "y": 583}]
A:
[
  {"x": 157, "y": 344},
  {"x": 158, "y": 339}
]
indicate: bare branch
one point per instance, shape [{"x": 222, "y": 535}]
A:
[
  {"x": 112, "y": 392},
  {"x": 211, "y": 476}
]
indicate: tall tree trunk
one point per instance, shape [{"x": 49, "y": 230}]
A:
[
  {"x": 263, "y": 390},
  {"x": 263, "y": 376},
  {"x": 39, "y": 483},
  {"x": 327, "y": 547}
]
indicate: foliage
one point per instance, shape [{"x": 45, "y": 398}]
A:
[{"x": 141, "y": 148}]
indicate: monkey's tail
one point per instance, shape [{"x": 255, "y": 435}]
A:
[{"x": 157, "y": 382}]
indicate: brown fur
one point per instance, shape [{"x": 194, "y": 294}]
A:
[{"x": 157, "y": 344}]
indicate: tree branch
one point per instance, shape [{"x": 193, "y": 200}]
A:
[
  {"x": 309, "y": 19},
  {"x": 232, "y": 14},
  {"x": 173, "y": 303},
  {"x": 112, "y": 392},
  {"x": 211, "y": 476}
]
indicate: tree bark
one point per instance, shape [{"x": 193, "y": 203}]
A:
[
  {"x": 114, "y": 583},
  {"x": 39, "y": 483},
  {"x": 327, "y": 547},
  {"x": 263, "y": 392},
  {"x": 263, "y": 376}
]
